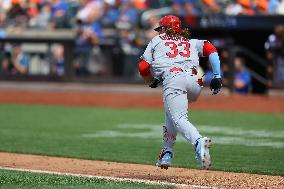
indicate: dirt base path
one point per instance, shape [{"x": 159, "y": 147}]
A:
[
  {"x": 136, "y": 171},
  {"x": 138, "y": 100}
]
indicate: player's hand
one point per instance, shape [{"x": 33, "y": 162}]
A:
[
  {"x": 154, "y": 83},
  {"x": 216, "y": 85}
]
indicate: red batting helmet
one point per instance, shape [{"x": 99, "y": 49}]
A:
[{"x": 170, "y": 21}]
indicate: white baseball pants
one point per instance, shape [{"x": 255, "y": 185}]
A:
[{"x": 179, "y": 89}]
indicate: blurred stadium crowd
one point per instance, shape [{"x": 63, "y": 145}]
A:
[
  {"x": 95, "y": 20},
  {"x": 106, "y": 13}
]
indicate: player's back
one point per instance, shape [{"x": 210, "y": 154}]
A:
[{"x": 172, "y": 51}]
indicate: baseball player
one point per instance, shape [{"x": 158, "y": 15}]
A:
[{"x": 171, "y": 58}]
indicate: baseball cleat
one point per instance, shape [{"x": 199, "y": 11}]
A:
[
  {"x": 165, "y": 161},
  {"x": 202, "y": 152}
]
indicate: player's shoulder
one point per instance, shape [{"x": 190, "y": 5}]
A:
[
  {"x": 154, "y": 41},
  {"x": 197, "y": 40},
  {"x": 158, "y": 38}
]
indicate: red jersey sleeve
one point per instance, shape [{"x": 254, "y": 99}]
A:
[
  {"x": 144, "y": 68},
  {"x": 208, "y": 48}
]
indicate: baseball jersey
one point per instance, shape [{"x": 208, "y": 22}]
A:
[{"x": 165, "y": 52}]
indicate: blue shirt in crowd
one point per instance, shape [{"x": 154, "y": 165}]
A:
[
  {"x": 61, "y": 6},
  {"x": 97, "y": 29},
  {"x": 245, "y": 77}
]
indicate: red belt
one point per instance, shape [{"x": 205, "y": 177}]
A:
[
  {"x": 193, "y": 70},
  {"x": 176, "y": 70}
]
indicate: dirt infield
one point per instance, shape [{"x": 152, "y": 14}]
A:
[
  {"x": 138, "y": 100},
  {"x": 136, "y": 171}
]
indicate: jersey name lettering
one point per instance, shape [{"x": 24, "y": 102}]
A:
[{"x": 174, "y": 38}]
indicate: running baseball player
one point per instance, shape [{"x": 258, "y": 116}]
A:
[{"x": 171, "y": 58}]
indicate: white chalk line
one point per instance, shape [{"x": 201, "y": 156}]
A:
[
  {"x": 144, "y": 181},
  {"x": 220, "y": 134}
]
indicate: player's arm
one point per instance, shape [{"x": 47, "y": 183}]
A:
[
  {"x": 145, "y": 72},
  {"x": 145, "y": 68},
  {"x": 211, "y": 52}
]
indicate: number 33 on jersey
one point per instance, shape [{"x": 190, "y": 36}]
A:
[
  {"x": 164, "y": 49},
  {"x": 185, "y": 52},
  {"x": 164, "y": 52}
]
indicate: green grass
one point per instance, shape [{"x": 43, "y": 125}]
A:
[
  {"x": 245, "y": 142},
  {"x": 25, "y": 180}
]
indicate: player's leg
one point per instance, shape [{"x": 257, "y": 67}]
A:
[
  {"x": 169, "y": 138},
  {"x": 203, "y": 144},
  {"x": 193, "y": 88},
  {"x": 169, "y": 133},
  {"x": 177, "y": 106}
]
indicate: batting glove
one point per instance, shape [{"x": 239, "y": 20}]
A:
[
  {"x": 216, "y": 85},
  {"x": 154, "y": 83}
]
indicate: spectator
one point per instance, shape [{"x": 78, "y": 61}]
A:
[
  {"x": 110, "y": 15},
  {"x": 275, "y": 41},
  {"x": 15, "y": 62},
  {"x": 5, "y": 5},
  {"x": 88, "y": 33},
  {"x": 2, "y": 55},
  {"x": 58, "y": 14},
  {"x": 155, "y": 4},
  {"x": 90, "y": 10},
  {"x": 242, "y": 81},
  {"x": 184, "y": 7},
  {"x": 126, "y": 41},
  {"x": 86, "y": 37},
  {"x": 190, "y": 8},
  {"x": 280, "y": 9},
  {"x": 152, "y": 23},
  {"x": 210, "y": 7},
  {"x": 262, "y": 7},
  {"x": 15, "y": 9},
  {"x": 32, "y": 8},
  {"x": 272, "y": 7},
  {"x": 274, "y": 47},
  {"x": 17, "y": 15},
  {"x": 177, "y": 7},
  {"x": 41, "y": 20},
  {"x": 140, "y": 4},
  {"x": 127, "y": 13},
  {"x": 234, "y": 8},
  {"x": 2, "y": 21},
  {"x": 246, "y": 7},
  {"x": 58, "y": 60},
  {"x": 242, "y": 7}
]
